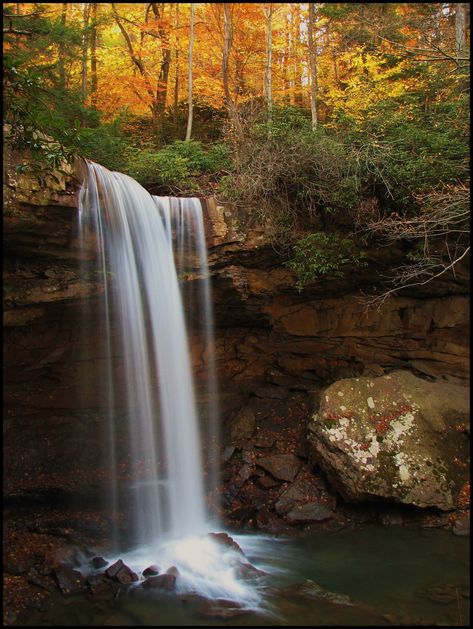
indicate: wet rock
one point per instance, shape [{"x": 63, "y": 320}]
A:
[
  {"x": 309, "y": 512},
  {"x": 99, "y": 562},
  {"x": 461, "y": 526},
  {"x": 161, "y": 581},
  {"x": 299, "y": 492},
  {"x": 243, "y": 475},
  {"x": 151, "y": 571},
  {"x": 42, "y": 582},
  {"x": 281, "y": 466},
  {"x": 220, "y": 608},
  {"x": 394, "y": 437},
  {"x": 225, "y": 540},
  {"x": 309, "y": 589},
  {"x": 267, "y": 482},
  {"x": 121, "y": 573},
  {"x": 435, "y": 521},
  {"x": 114, "y": 569},
  {"x": 68, "y": 580},
  {"x": 269, "y": 522},
  {"x": 98, "y": 584},
  {"x": 173, "y": 571},
  {"x": 228, "y": 453},
  {"x": 242, "y": 426},
  {"x": 273, "y": 392},
  {"x": 246, "y": 571}
]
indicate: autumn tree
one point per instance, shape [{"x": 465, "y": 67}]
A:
[
  {"x": 268, "y": 84},
  {"x": 313, "y": 65},
  {"x": 191, "y": 49},
  {"x": 155, "y": 84}
]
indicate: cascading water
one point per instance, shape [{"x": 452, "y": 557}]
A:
[{"x": 140, "y": 240}]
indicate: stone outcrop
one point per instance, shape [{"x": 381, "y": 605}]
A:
[
  {"x": 396, "y": 437},
  {"x": 275, "y": 347}
]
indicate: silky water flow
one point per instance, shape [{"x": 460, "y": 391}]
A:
[{"x": 146, "y": 247}]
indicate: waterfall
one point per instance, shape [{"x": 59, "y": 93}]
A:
[
  {"x": 155, "y": 437},
  {"x": 140, "y": 241}
]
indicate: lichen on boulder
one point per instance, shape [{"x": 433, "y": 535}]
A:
[{"x": 396, "y": 437}]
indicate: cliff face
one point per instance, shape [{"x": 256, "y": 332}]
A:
[
  {"x": 329, "y": 331},
  {"x": 276, "y": 347}
]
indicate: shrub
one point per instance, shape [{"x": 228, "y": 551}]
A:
[
  {"x": 105, "y": 145},
  {"x": 176, "y": 166},
  {"x": 319, "y": 254},
  {"x": 285, "y": 168}
]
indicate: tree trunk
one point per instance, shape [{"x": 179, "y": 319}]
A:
[
  {"x": 460, "y": 29},
  {"x": 191, "y": 47},
  {"x": 162, "y": 86},
  {"x": 290, "y": 60},
  {"x": 286, "y": 61},
  {"x": 93, "y": 56},
  {"x": 62, "y": 49},
  {"x": 227, "y": 45},
  {"x": 313, "y": 65},
  {"x": 85, "y": 46},
  {"x": 268, "y": 87},
  {"x": 176, "y": 78},
  {"x": 136, "y": 58},
  {"x": 298, "y": 98}
]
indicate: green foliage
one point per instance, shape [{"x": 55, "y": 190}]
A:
[
  {"x": 411, "y": 143},
  {"x": 31, "y": 123},
  {"x": 320, "y": 254},
  {"x": 207, "y": 122},
  {"x": 177, "y": 165},
  {"x": 106, "y": 145}
]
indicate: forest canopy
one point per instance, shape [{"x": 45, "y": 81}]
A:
[{"x": 312, "y": 114}]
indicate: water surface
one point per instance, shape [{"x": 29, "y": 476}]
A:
[{"x": 392, "y": 576}]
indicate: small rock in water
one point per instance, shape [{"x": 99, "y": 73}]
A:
[
  {"x": 151, "y": 571},
  {"x": 99, "y": 562},
  {"x": 161, "y": 581},
  {"x": 310, "y": 512},
  {"x": 173, "y": 571},
  {"x": 68, "y": 580},
  {"x": 248, "y": 571},
  {"x": 121, "y": 573},
  {"x": 461, "y": 526},
  {"x": 311, "y": 590},
  {"x": 226, "y": 540},
  {"x": 114, "y": 569},
  {"x": 221, "y": 608},
  {"x": 98, "y": 583}
]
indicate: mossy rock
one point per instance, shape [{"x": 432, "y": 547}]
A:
[{"x": 396, "y": 437}]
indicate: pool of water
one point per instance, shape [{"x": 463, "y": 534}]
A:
[{"x": 367, "y": 577}]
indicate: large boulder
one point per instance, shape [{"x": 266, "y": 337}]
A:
[{"x": 396, "y": 437}]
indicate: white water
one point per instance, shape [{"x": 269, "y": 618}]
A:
[{"x": 139, "y": 238}]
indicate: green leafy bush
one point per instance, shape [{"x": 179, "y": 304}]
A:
[
  {"x": 177, "y": 165},
  {"x": 319, "y": 254},
  {"x": 105, "y": 145}
]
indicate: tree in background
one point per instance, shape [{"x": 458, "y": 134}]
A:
[{"x": 191, "y": 49}]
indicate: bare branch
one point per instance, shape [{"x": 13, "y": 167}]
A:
[{"x": 15, "y": 31}]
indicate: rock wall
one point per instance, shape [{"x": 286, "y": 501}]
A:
[{"x": 276, "y": 349}]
